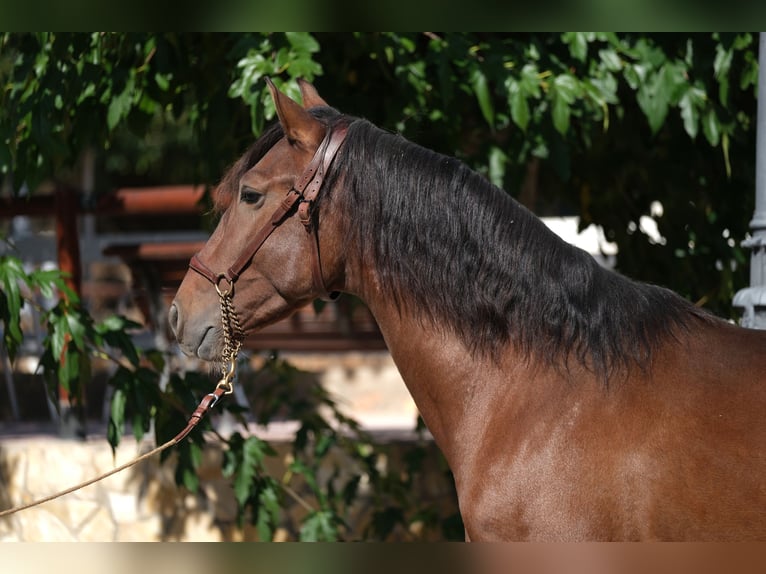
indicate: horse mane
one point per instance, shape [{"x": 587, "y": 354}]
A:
[{"x": 459, "y": 251}]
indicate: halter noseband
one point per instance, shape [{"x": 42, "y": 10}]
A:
[{"x": 304, "y": 193}]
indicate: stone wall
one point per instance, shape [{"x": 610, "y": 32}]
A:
[{"x": 144, "y": 504}]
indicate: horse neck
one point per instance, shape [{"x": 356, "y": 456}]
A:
[
  {"x": 439, "y": 372},
  {"x": 454, "y": 390}
]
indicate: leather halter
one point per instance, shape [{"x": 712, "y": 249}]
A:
[{"x": 303, "y": 193}]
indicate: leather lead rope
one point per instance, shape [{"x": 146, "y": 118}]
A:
[
  {"x": 232, "y": 343},
  {"x": 205, "y": 405}
]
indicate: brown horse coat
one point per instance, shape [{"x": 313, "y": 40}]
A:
[{"x": 570, "y": 403}]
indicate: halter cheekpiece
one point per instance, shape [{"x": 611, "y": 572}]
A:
[{"x": 303, "y": 193}]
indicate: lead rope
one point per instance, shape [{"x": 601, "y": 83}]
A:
[{"x": 232, "y": 341}]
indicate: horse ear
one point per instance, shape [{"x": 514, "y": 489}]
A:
[
  {"x": 311, "y": 98},
  {"x": 300, "y": 127}
]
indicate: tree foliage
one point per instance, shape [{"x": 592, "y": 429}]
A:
[
  {"x": 620, "y": 129},
  {"x": 614, "y": 128}
]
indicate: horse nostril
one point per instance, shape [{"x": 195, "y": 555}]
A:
[{"x": 174, "y": 316}]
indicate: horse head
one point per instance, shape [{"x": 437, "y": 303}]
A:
[{"x": 264, "y": 255}]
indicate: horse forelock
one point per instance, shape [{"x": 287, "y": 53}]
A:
[
  {"x": 228, "y": 187},
  {"x": 459, "y": 252}
]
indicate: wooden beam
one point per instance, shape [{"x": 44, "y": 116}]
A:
[
  {"x": 162, "y": 200},
  {"x": 67, "y": 237}
]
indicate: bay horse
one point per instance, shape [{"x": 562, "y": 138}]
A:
[{"x": 570, "y": 402}]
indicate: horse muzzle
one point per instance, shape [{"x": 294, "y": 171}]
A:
[{"x": 201, "y": 341}]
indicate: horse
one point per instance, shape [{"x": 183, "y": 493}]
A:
[{"x": 570, "y": 402}]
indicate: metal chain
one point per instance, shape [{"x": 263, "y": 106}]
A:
[{"x": 232, "y": 339}]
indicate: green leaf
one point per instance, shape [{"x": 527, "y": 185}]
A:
[
  {"x": 77, "y": 328},
  {"x": 189, "y": 458},
  {"x": 721, "y": 67},
  {"x": 711, "y": 127},
  {"x": 116, "y": 418},
  {"x": 57, "y": 331},
  {"x": 517, "y": 101},
  {"x": 567, "y": 87},
  {"x": 268, "y": 512},
  {"x": 113, "y": 330},
  {"x": 481, "y": 90},
  {"x": 653, "y": 98},
  {"x": 578, "y": 44},
  {"x": 46, "y": 281},
  {"x": 253, "y": 452},
  {"x": 122, "y": 341},
  {"x": 264, "y": 527},
  {"x": 319, "y": 526},
  {"x": 190, "y": 479},
  {"x": 270, "y": 501},
  {"x": 675, "y": 79},
  {"x": 691, "y": 104},
  {"x": 690, "y": 115},
  {"x": 565, "y": 90},
  {"x": 163, "y": 81},
  {"x": 497, "y": 162},
  {"x": 560, "y": 113},
  {"x": 302, "y": 42},
  {"x": 749, "y": 75},
  {"x": 69, "y": 369},
  {"x": 11, "y": 274},
  {"x": 529, "y": 81},
  {"x": 232, "y": 455},
  {"x": 156, "y": 358},
  {"x": 630, "y": 73},
  {"x": 602, "y": 90},
  {"x": 300, "y": 467},
  {"x": 140, "y": 424},
  {"x": 325, "y": 442},
  {"x": 116, "y": 323},
  {"x": 121, "y": 104},
  {"x": 611, "y": 59},
  {"x": 725, "y": 149}
]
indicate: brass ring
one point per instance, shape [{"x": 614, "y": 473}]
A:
[{"x": 228, "y": 291}]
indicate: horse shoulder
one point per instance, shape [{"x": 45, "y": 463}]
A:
[{"x": 670, "y": 455}]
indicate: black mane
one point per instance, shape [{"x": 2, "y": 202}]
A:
[{"x": 457, "y": 250}]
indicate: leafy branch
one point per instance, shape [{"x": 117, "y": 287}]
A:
[{"x": 73, "y": 338}]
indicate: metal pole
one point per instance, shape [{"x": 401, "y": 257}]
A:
[{"x": 753, "y": 299}]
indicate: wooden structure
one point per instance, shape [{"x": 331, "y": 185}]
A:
[{"x": 158, "y": 266}]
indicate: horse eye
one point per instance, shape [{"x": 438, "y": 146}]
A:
[{"x": 250, "y": 196}]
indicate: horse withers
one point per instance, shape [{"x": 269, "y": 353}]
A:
[{"x": 570, "y": 402}]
